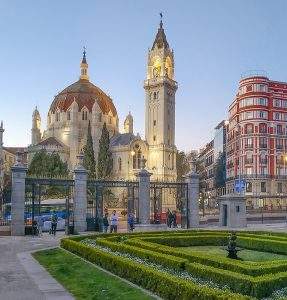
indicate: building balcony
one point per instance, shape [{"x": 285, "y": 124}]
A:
[
  {"x": 249, "y": 146},
  {"x": 263, "y": 161},
  {"x": 263, "y": 146}
]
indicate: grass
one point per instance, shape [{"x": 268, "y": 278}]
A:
[
  {"x": 246, "y": 255},
  {"x": 85, "y": 281}
]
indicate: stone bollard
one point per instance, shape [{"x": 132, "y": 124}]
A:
[
  {"x": 192, "y": 180},
  {"x": 80, "y": 196},
  {"x": 144, "y": 195},
  {"x": 18, "y": 197}
]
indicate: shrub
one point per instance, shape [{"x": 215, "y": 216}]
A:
[
  {"x": 165, "y": 285},
  {"x": 163, "y": 259}
]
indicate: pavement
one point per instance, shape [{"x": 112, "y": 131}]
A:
[{"x": 21, "y": 277}]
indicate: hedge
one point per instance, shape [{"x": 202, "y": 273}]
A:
[
  {"x": 163, "y": 259},
  {"x": 185, "y": 241},
  {"x": 253, "y": 269},
  {"x": 164, "y": 285}
]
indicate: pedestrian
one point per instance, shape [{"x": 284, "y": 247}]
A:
[
  {"x": 54, "y": 222},
  {"x": 169, "y": 218},
  {"x": 114, "y": 222},
  {"x": 34, "y": 227},
  {"x": 105, "y": 222},
  {"x": 131, "y": 222},
  {"x": 40, "y": 225},
  {"x": 174, "y": 223}
]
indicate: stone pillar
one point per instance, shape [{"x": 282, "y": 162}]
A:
[
  {"x": 144, "y": 195},
  {"x": 192, "y": 180},
  {"x": 80, "y": 196},
  {"x": 18, "y": 197}
]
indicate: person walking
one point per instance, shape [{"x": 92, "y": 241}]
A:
[
  {"x": 169, "y": 218},
  {"x": 34, "y": 227},
  {"x": 105, "y": 223},
  {"x": 40, "y": 225},
  {"x": 54, "y": 222},
  {"x": 174, "y": 223},
  {"x": 131, "y": 222},
  {"x": 114, "y": 219}
]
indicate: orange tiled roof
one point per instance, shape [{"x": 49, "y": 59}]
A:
[{"x": 85, "y": 94}]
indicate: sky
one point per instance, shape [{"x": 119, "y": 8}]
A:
[{"x": 214, "y": 42}]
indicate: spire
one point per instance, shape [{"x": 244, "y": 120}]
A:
[
  {"x": 84, "y": 67},
  {"x": 160, "y": 39}
]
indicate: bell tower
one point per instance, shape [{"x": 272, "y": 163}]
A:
[
  {"x": 160, "y": 88},
  {"x": 36, "y": 127}
]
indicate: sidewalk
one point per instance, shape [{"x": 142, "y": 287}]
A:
[{"x": 21, "y": 278}]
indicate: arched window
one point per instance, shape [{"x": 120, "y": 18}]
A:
[
  {"x": 120, "y": 164},
  {"x": 57, "y": 116},
  {"x": 84, "y": 115},
  {"x": 68, "y": 115}
]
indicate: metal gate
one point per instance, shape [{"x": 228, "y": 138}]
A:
[
  {"x": 166, "y": 198},
  {"x": 45, "y": 196},
  {"x": 97, "y": 190}
]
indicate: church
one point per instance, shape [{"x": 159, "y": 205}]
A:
[{"x": 82, "y": 102}]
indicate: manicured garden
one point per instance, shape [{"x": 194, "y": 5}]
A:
[{"x": 191, "y": 264}]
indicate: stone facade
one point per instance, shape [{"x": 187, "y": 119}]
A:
[{"x": 83, "y": 102}]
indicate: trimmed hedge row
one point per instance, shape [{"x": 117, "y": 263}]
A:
[
  {"x": 166, "y": 286},
  {"x": 261, "y": 244},
  {"x": 261, "y": 286},
  {"x": 163, "y": 259},
  {"x": 254, "y": 269},
  {"x": 185, "y": 241}
]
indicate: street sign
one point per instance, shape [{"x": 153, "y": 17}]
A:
[{"x": 239, "y": 185}]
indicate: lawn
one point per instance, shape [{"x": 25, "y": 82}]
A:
[
  {"x": 245, "y": 254},
  {"x": 85, "y": 281}
]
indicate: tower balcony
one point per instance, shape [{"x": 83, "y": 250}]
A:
[{"x": 160, "y": 80}]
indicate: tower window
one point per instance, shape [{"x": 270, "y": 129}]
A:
[
  {"x": 68, "y": 115},
  {"x": 110, "y": 120},
  {"x": 154, "y": 138},
  {"x": 100, "y": 117},
  {"x": 154, "y": 122},
  {"x": 57, "y": 116}
]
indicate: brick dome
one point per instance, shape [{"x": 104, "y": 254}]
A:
[{"x": 85, "y": 94}]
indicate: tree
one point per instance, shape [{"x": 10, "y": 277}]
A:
[
  {"x": 182, "y": 165},
  {"x": 89, "y": 155},
  {"x": 220, "y": 171},
  {"x": 47, "y": 165},
  {"x": 105, "y": 160}
]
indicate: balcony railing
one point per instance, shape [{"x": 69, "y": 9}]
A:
[
  {"x": 263, "y": 161},
  {"x": 263, "y": 146}
]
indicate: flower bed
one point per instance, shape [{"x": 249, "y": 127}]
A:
[{"x": 120, "y": 254}]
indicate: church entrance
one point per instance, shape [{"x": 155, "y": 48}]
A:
[{"x": 45, "y": 198}]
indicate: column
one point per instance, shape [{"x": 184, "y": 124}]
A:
[
  {"x": 18, "y": 197},
  {"x": 80, "y": 196},
  {"x": 144, "y": 194},
  {"x": 192, "y": 180}
]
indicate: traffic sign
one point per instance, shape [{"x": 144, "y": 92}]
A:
[{"x": 239, "y": 185}]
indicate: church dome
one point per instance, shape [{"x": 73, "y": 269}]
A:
[{"x": 84, "y": 93}]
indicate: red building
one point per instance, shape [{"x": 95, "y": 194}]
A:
[{"x": 257, "y": 139}]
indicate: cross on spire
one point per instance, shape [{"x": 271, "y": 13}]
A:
[{"x": 161, "y": 15}]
